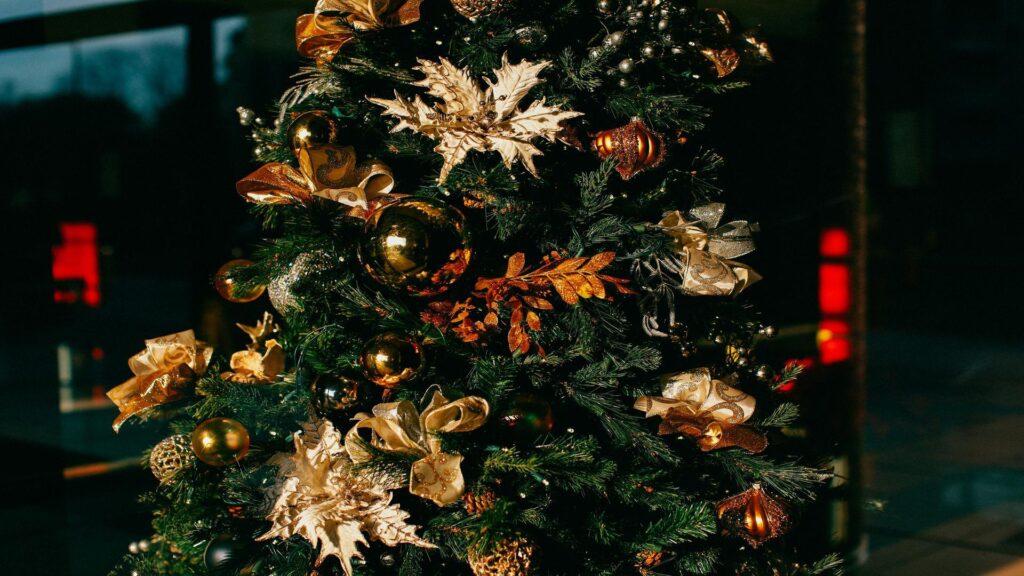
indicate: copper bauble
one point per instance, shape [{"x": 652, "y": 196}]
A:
[
  {"x": 635, "y": 146},
  {"x": 391, "y": 359},
  {"x": 171, "y": 455},
  {"x": 311, "y": 130},
  {"x": 419, "y": 246},
  {"x": 220, "y": 441},
  {"x": 230, "y": 289},
  {"x": 333, "y": 395}
]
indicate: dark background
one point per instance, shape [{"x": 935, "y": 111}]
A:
[{"x": 122, "y": 116}]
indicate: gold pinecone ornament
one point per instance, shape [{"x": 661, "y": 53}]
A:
[
  {"x": 509, "y": 557},
  {"x": 474, "y": 9},
  {"x": 171, "y": 455},
  {"x": 477, "y": 503}
]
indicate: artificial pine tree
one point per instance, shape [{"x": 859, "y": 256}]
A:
[{"x": 509, "y": 337}]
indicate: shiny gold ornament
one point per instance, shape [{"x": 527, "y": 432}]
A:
[
  {"x": 220, "y": 441},
  {"x": 164, "y": 372},
  {"x": 753, "y": 516},
  {"x": 230, "y": 289},
  {"x": 420, "y": 246},
  {"x": 474, "y": 9},
  {"x": 509, "y": 557},
  {"x": 635, "y": 146},
  {"x": 311, "y": 130},
  {"x": 333, "y": 395},
  {"x": 323, "y": 500},
  {"x": 391, "y": 359},
  {"x": 171, "y": 455},
  {"x": 706, "y": 409},
  {"x": 398, "y": 427}
]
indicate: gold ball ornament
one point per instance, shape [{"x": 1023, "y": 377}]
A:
[
  {"x": 171, "y": 455},
  {"x": 220, "y": 441},
  {"x": 311, "y": 130},
  {"x": 474, "y": 9},
  {"x": 509, "y": 557},
  {"x": 417, "y": 245},
  {"x": 230, "y": 289},
  {"x": 391, "y": 359}
]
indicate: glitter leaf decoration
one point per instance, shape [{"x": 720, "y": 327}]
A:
[
  {"x": 469, "y": 118},
  {"x": 324, "y": 501}
]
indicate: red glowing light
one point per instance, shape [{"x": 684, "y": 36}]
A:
[
  {"x": 834, "y": 341},
  {"x": 97, "y": 353},
  {"x": 77, "y": 260},
  {"x": 834, "y": 288},
  {"x": 835, "y": 243}
]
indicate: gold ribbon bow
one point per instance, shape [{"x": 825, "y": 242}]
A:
[
  {"x": 328, "y": 172},
  {"x": 322, "y": 34},
  {"x": 398, "y": 427},
  {"x": 164, "y": 372},
  {"x": 706, "y": 249},
  {"x": 263, "y": 359},
  {"x": 694, "y": 404}
]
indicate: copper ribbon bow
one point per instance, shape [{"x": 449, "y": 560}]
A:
[
  {"x": 328, "y": 172},
  {"x": 164, "y": 372},
  {"x": 694, "y": 404},
  {"x": 706, "y": 250},
  {"x": 398, "y": 427},
  {"x": 322, "y": 34},
  {"x": 263, "y": 359}
]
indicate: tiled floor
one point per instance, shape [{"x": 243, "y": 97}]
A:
[{"x": 945, "y": 443}]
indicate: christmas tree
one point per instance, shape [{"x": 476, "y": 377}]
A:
[{"x": 509, "y": 335}]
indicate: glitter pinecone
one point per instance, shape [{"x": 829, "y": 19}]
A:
[
  {"x": 474, "y": 9},
  {"x": 510, "y": 557},
  {"x": 477, "y": 503}
]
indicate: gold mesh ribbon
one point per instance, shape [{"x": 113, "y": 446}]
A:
[
  {"x": 322, "y": 34},
  {"x": 706, "y": 250},
  {"x": 710, "y": 410},
  {"x": 398, "y": 427},
  {"x": 329, "y": 172},
  {"x": 164, "y": 372}
]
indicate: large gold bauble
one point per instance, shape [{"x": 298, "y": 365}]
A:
[
  {"x": 509, "y": 557},
  {"x": 311, "y": 130},
  {"x": 230, "y": 289},
  {"x": 418, "y": 245},
  {"x": 169, "y": 456},
  {"x": 391, "y": 359},
  {"x": 220, "y": 441}
]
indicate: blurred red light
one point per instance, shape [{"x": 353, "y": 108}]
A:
[
  {"x": 77, "y": 259},
  {"x": 834, "y": 288},
  {"x": 97, "y": 353},
  {"x": 835, "y": 243},
  {"x": 834, "y": 341}
]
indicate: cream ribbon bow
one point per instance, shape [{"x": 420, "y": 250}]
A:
[
  {"x": 399, "y": 427},
  {"x": 706, "y": 250}
]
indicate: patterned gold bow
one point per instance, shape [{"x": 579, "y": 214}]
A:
[
  {"x": 263, "y": 359},
  {"x": 712, "y": 411},
  {"x": 164, "y": 372},
  {"x": 705, "y": 250},
  {"x": 328, "y": 172},
  {"x": 322, "y": 34},
  {"x": 397, "y": 427}
]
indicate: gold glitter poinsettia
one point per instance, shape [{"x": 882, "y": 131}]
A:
[
  {"x": 469, "y": 118},
  {"x": 264, "y": 358},
  {"x": 324, "y": 501}
]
